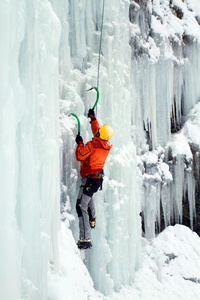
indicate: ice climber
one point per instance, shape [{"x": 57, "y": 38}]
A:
[{"x": 92, "y": 156}]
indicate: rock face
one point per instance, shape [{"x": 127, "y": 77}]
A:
[
  {"x": 196, "y": 156},
  {"x": 165, "y": 63}
]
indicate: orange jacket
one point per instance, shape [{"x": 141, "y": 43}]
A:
[{"x": 93, "y": 155}]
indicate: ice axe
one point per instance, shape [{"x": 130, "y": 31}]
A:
[
  {"x": 97, "y": 95},
  {"x": 79, "y": 125}
]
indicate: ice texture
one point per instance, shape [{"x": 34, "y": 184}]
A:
[
  {"x": 118, "y": 205},
  {"x": 29, "y": 155},
  {"x": 165, "y": 74},
  {"x": 149, "y": 93}
]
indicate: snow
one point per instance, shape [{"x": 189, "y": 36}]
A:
[
  {"x": 73, "y": 278},
  {"x": 189, "y": 134},
  {"x": 170, "y": 269},
  {"x": 179, "y": 145}
]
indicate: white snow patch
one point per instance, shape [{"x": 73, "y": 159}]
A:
[
  {"x": 180, "y": 146},
  {"x": 171, "y": 268},
  {"x": 72, "y": 281}
]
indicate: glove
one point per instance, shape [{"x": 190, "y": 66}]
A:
[
  {"x": 91, "y": 113},
  {"x": 79, "y": 139}
]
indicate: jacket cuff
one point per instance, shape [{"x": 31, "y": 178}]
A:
[{"x": 92, "y": 119}]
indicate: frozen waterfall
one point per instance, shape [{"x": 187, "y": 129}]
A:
[
  {"x": 29, "y": 155},
  {"x": 149, "y": 94},
  {"x": 118, "y": 205}
]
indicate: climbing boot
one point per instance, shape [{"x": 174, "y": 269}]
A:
[
  {"x": 92, "y": 223},
  {"x": 84, "y": 244}
]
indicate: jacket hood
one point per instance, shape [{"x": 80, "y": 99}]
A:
[{"x": 105, "y": 144}]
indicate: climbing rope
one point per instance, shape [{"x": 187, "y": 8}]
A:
[
  {"x": 100, "y": 43},
  {"x": 96, "y": 88}
]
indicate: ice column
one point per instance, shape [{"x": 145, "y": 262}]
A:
[
  {"x": 29, "y": 147},
  {"x": 11, "y": 34},
  {"x": 191, "y": 89},
  {"x": 116, "y": 238}
]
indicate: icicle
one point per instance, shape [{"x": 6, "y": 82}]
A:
[{"x": 190, "y": 193}]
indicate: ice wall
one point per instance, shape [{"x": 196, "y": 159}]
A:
[
  {"x": 116, "y": 252},
  {"x": 165, "y": 65},
  {"x": 145, "y": 92},
  {"x": 149, "y": 76},
  {"x": 165, "y": 39},
  {"x": 29, "y": 157}
]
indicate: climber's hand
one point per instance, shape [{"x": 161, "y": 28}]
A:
[
  {"x": 91, "y": 113},
  {"x": 79, "y": 139}
]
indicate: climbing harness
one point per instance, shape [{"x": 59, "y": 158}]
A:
[{"x": 79, "y": 125}]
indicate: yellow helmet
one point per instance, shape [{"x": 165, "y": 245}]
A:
[{"x": 105, "y": 132}]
